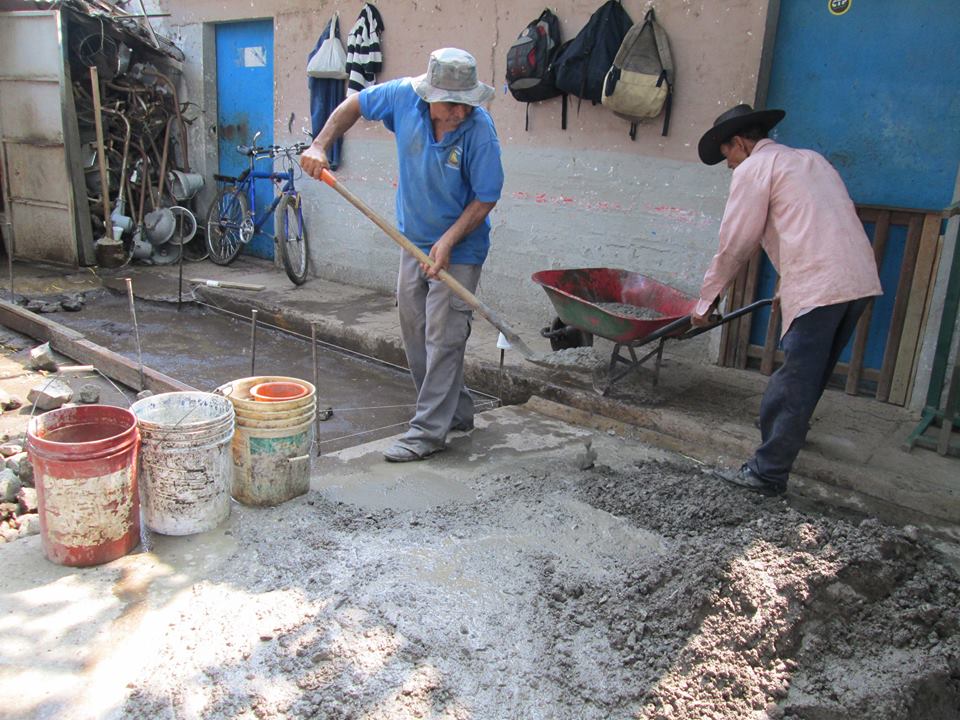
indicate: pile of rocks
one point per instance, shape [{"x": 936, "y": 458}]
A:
[{"x": 18, "y": 495}]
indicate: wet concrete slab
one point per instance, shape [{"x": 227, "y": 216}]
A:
[{"x": 206, "y": 349}]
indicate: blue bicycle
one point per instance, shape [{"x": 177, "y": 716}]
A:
[{"x": 233, "y": 219}]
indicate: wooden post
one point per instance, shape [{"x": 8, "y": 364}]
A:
[{"x": 101, "y": 153}]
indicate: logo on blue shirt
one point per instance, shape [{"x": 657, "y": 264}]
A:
[{"x": 453, "y": 159}]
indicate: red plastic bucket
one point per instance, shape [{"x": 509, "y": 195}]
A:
[
  {"x": 278, "y": 391},
  {"x": 85, "y": 470}
]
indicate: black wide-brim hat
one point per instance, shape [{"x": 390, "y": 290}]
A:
[{"x": 729, "y": 124}]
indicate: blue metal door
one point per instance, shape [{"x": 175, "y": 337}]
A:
[
  {"x": 874, "y": 87},
  {"x": 245, "y": 106}
]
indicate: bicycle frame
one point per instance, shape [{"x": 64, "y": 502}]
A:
[{"x": 251, "y": 191}]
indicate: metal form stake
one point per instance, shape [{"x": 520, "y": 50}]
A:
[
  {"x": 180, "y": 264},
  {"x": 136, "y": 330},
  {"x": 316, "y": 384},
  {"x": 253, "y": 343}
]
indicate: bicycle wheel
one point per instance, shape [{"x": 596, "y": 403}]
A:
[
  {"x": 292, "y": 237},
  {"x": 224, "y": 220}
]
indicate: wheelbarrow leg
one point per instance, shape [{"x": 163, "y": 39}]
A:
[{"x": 656, "y": 371}]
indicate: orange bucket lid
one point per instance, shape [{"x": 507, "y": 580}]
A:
[{"x": 278, "y": 390}]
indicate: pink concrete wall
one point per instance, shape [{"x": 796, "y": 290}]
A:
[{"x": 716, "y": 48}]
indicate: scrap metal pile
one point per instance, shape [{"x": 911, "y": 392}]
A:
[{"x": 133, "y": 137}]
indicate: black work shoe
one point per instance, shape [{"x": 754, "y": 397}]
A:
[{"x": 747, "y": 478}]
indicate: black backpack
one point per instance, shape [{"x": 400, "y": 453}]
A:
[
  {"x": 583, "y": 64},
  {"x": 530, "y": 76}
]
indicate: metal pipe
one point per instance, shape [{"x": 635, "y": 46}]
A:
[
  {"x": 179, "y": 115},
  {"x": 126, "y": 152},
  {"x": 253, "y": 343},
  {"x": 136, "y": 329}
]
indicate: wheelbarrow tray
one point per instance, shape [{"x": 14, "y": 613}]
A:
[{"x": 577, "y": 293}]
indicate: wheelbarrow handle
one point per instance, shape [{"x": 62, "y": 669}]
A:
[{"x": 745, "y": 310}]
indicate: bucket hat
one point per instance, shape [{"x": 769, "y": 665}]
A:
[
  {"x": 729, "y": 124},
  {"x": 452, "y": 77}
]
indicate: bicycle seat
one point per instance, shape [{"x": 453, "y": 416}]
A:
[{"x": 224, "y": 178}]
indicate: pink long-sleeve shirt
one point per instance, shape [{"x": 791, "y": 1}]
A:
[{"x": 794, "y": 204}]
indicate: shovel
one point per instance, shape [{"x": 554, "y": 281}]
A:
[{"x": 468, "y": 297}]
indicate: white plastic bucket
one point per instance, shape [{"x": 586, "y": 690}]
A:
[
  {"x": 272, "y": 465},
  {"x": 186, "y": 468}
]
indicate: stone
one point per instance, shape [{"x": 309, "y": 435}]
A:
[
  {"x": 8, "y": 401},
  {"x": 20, "y": 464},
  {"x": 9, "y": 449},
  {"x": 89, "y": 394},
  {"x": 9, "y": 486},
  {"x": 72, "y": 303},
  {"x": 8, "y": 533},
  {"x": 50, "y": 395},
  {"x": 27, "y": 500},
  {"x": 29, "y": 525},
  {"x": 41, "y": 358}
]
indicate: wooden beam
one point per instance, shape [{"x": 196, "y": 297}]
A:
[
  {"x": 899, "y": 315},
  {"x": 76, "y": 347},
  {"x": 916, "y": 303},
  {"x": 749, "y": 295}
]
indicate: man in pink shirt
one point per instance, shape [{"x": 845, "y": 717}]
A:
[{"x": 794, "y": 205}]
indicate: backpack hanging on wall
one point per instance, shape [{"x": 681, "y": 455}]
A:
[
  {"x": 639, "y": 85},
  {"x": 530, "y": 76},
  {"x": 582, "y": 65}
]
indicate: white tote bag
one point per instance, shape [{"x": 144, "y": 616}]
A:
[{"x": 330, "y": 60}]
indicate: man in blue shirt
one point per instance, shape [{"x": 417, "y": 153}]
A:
[{"x": 450, "y": 179}]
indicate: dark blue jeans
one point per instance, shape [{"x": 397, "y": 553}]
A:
[{"x": 811, "y": 349}]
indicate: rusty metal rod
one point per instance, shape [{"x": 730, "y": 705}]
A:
[
  {"x": 136, "y": 330},
  {"x": 253, "y": 343},
  {"x": 316, "y": 385}
]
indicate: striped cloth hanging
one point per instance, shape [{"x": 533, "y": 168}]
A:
[{"x": 364, "y": 57}]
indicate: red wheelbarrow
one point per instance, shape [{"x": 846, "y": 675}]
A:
[{"x": 579, "y": 294}]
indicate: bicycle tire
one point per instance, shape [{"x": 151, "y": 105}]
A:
[
  {"x": 227, "y": 213},
  {"x": 292, "y": 237}
]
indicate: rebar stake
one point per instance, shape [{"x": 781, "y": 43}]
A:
[
  {"x": 253, "y": 343},
  {"x": 316, "y": 385},
  {"x": 136, "y": 330},
  {"x": 180, "y": 263}
]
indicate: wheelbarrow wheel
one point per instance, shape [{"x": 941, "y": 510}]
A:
[{"x": 565, "y": 337}]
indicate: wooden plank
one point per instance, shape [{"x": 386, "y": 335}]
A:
[
  {"x": 926, "y": 315},
  {"x": 749, "y": 295},
  {"x": 76, "y": 347},
  {"x": 739, "y": 290},
  {"x": 880, "y": 235},
  {"x": 916, "y": 302},
  {"x": 900, "y": 307}
]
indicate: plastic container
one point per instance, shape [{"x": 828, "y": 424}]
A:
[
  {"x": 186, "y": 468},
  {"x": 273, "y": 441},
  {"x": 85, "y": 471},
  {"x": 278, "y": 391}
]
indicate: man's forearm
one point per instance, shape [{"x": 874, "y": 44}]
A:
[
  {"x": 470, "y": 219},
  {"x": 344, "y": 117}
]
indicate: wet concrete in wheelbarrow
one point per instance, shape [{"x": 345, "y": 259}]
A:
[{"x": 205, "y": 349}]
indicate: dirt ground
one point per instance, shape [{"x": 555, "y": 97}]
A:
[{"x": 639, "y": 589}]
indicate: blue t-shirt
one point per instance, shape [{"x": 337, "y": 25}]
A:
[{"x": 438, "y": 179}]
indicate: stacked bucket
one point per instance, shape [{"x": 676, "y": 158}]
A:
[
  {"x": 274, "y": 435},
  {"x": 251, "y": 439}
]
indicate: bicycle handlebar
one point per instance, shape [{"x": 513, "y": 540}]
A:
[{"x": 271, "y": 151}]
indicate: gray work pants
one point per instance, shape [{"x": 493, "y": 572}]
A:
[{"x": 435, "y": 325}]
